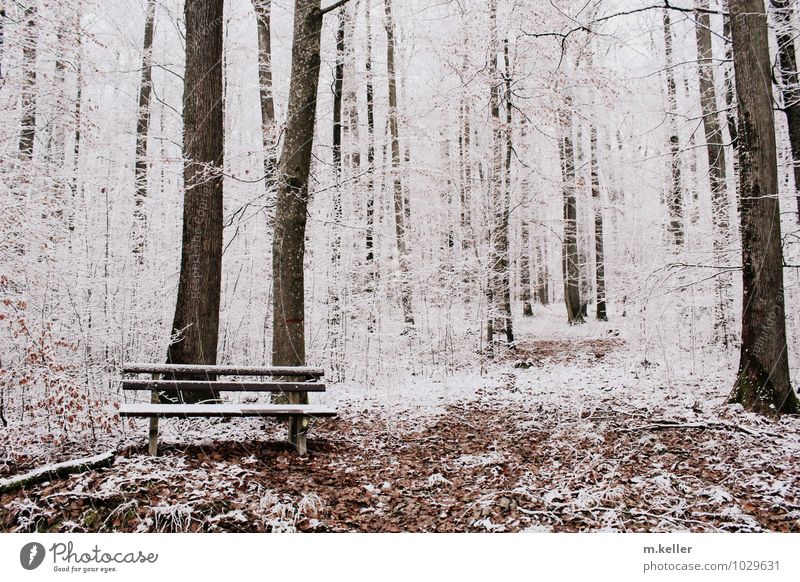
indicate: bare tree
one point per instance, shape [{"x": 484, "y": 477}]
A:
[
  {"x": 2, "y": 37},
  {"x": 599, "y": 254},
  {"x": 269, "y": 130},
  {"x": 498, "y": 294},
  {"x": 335, "y": 242},
  {"x": 465, "y": 161},
  {"x": 28, "y": 99},
  {"x": 675, "y": 192},
  {"x": 525, "y": 269},
  {"x": 370, "y": 211},
  {"x": 400, "y": 207},
  {"x": 288, "y": 247},
  {"x": 572, "y": 291},
  {"x": 196, "y": 323},
  {"x": 720, "y": 215},
  {"x": 74, "y": 181},
  {"x": 788, "y": 82},
  {"x": 762, "y": 383},
  {"x": 542, "y": 271},
  {"x": 504, "y": 266},
  {"x": 142, "y": 130},
  {"x": 730, "y": 98}
]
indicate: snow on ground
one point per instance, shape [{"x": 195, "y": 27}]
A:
[{"x": 596, "y": 427}]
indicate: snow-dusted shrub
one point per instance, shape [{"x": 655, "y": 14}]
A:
[{"x": 41, "y": 387}]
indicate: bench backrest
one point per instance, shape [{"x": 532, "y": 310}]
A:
[{"x": 214, "y": 370}]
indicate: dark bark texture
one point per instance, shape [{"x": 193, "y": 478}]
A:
[
  {"x": 370, "y": 205},
  {"x": 196, "y": 323},
  {"x": 599, "y": 254},
  {"x": 288, "y": 333},
  {"x": 269, "y": 130},
  {"x": 28, "y": 96},
  {"x": 675, "y": 205},
  {"x": 572, "y": 290},
  {"x": 142, "y": 128},
  {"x": 763, "y": 382},
  {"x": 788, "y": 79},
  {"x": 402, "y": 208}
]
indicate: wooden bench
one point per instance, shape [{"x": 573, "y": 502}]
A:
[{"x": 292, "y": 382}]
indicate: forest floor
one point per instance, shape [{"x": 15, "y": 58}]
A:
[{"x": 578, "y": 433}]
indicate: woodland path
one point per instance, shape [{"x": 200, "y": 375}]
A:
[{"x": 487, "y": 464}]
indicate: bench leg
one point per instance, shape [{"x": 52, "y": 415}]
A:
[
  {"x": 152, "y": 445},
  {"x": 298, "y": 427}
]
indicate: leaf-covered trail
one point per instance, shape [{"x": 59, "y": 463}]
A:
[{"x": 513, "y": 456}]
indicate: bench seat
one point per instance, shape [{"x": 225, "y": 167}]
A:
[{"x": 223, "y": 410}]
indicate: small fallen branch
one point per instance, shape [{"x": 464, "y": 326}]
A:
[
  {"x": 56, "y": 471},
  {"x": 666, "y": 425}
]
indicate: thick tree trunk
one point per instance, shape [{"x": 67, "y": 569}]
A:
[
  {"x": 599, "y": 254},
  {"x": 401, "y": 209},
  {"x": 675, "y": 193},
  {"x": 572, "y": 292},
  {"x": 288, "y": 249},
  {"x": 28, "y": 100},
  {"x": 196, "y": 323},
  {"x": 269, "y": 130},
  {"x": 788, "y": 79},
  {"x": 720, "y": 215},
  {"x": 762, "y": 383},
  {"x": 142, "y": 129}
]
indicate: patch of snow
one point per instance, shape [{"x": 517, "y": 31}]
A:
[
  {"x": 717, "y": 495},
  {"x": 436, "y": 480},
  {"x": 490, "y": 458}
]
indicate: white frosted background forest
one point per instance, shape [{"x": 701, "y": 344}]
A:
[{"x": 77, "y": 305}]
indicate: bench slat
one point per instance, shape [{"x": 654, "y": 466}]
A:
[
  {"x": 223, "y": 410},
  {"x": 144, "y": 368},
  {"x": 220, "y": 386}
]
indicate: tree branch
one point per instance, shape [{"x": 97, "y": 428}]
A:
[
  {"x": 585, "y": 28},
  {"x": 59, "y": 470},
  {"x": 332, "y": 7}
]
